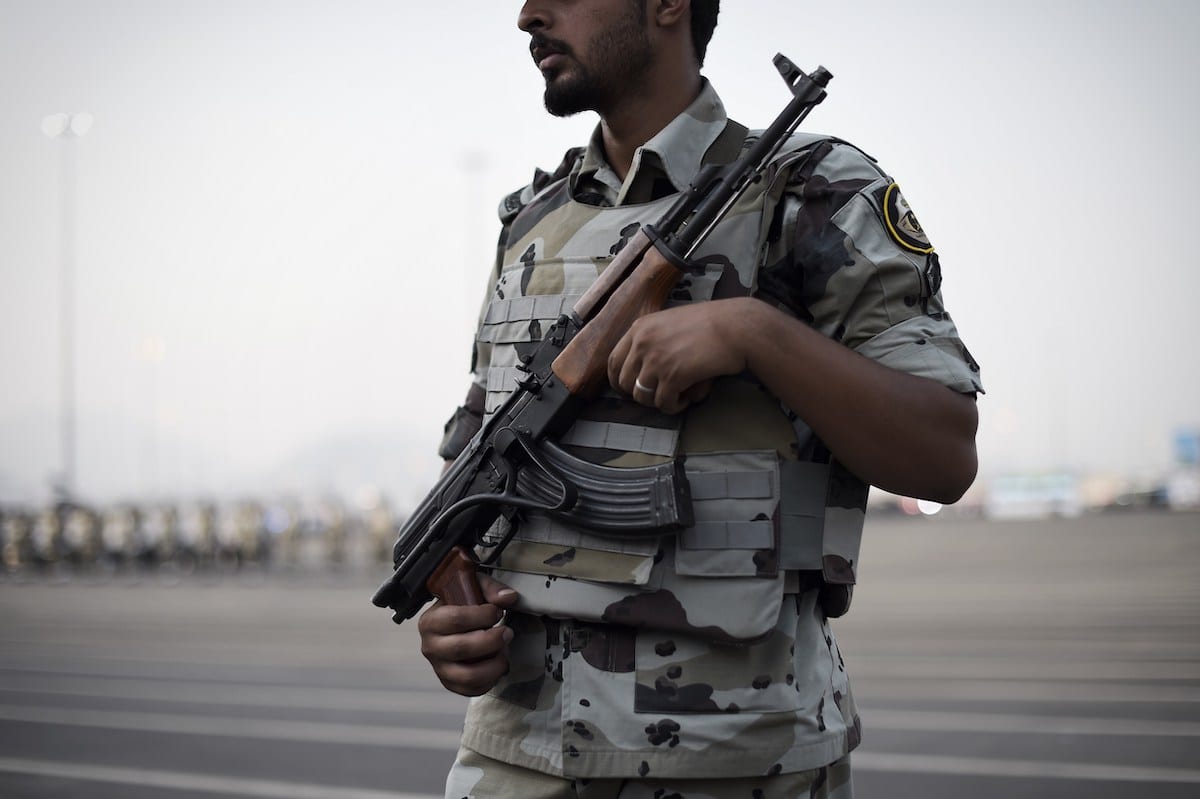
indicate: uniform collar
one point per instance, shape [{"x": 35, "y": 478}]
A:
[{"x": 676, "y": 152}]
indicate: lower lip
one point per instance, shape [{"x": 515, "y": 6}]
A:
[{"x": 551, "y": 62}]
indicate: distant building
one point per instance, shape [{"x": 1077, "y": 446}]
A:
[{"x": 1033, "y": 496}]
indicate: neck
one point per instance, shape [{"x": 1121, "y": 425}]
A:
[{"x": 642, "y": 114}]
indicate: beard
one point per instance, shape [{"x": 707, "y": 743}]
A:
[{"x": 617, "y": 58}]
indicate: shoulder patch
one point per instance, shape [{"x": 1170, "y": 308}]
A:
[{"x": 902, "y": 223}]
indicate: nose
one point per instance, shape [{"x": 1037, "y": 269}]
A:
[{"x": 534, "y": 16}]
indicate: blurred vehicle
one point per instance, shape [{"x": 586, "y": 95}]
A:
[
  {"x": 1183, "y": 489},
  {"x": 1033, "y": 496}
]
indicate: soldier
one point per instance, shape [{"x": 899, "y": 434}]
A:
[
  {"x": 381, "y": 529},
  {"x": 807, "y": 355},
  {"x": 47, "y": 538},
  {"x": 17, "y": 538},
  {"x": 197, "y": 536},
  {"x": 117, "y": 528},
  {"x": 81, "y": 537}
]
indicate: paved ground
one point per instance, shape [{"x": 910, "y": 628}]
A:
[{"x": 1048, "y": 659}]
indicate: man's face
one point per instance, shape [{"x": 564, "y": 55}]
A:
[{"x": 591, "y": 52}]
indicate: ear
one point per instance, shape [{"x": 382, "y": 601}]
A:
[{"x": 669, "y": 13}]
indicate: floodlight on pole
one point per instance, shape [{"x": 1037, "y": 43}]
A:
[{"x": 66, "y": 128}]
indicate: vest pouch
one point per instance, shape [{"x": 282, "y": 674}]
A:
[
  {"x": 724, "y": 572},
  {"x": 683, "y": 674},
  {"x": 565, "y": 572},
  {"x": 547, "y": 547},
  {"x": 735, "y": 502}
]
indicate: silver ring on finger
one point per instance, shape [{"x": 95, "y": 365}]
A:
[{"x": 640, "y": 387}]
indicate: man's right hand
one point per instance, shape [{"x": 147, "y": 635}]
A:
[{"x": 466, "y": 644}]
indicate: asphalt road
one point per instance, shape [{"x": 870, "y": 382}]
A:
[{"x": 1031, "y": 659}]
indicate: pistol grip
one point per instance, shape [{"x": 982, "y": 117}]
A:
[{"x": 455, "y": 581}]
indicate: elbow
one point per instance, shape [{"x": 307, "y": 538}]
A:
[
  {"x": 961, "y": 461},
  {"x": 957, "y": 479},
  {"x": 942, "y": 475},
  {"x": 954, "y": 460}
]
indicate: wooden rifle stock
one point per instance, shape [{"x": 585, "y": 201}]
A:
[{"x": 583, "y": 365}]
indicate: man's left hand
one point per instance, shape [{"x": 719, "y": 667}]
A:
[{"x": 669, "y": 359}]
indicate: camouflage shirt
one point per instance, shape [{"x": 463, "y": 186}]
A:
[{"x": 842, "y": 252}]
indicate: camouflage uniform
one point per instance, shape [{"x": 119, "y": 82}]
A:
[
  {"x": 477, "y": 776},
  {"x": 708, "y": 653}
]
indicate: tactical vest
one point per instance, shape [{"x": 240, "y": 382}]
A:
[{"x": 768, "y": 519}]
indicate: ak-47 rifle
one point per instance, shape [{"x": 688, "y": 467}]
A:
[{"x": 513, "y": 465}]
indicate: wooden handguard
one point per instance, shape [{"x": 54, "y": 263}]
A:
[
  {"x": 455, "y": 580},
  {"x": 625, "y": 262},
  {"x": 583, "y": 365}
]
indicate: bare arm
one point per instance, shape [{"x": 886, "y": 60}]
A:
[{"x": 906, "y": 434}]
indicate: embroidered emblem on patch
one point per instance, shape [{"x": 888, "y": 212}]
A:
[{"x": 902, "y": 222}]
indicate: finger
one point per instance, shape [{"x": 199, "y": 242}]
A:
[
  {"x": 442, "y": 619},
  {"x": 496, "y": 592},
  {"x": 669, "y": 402},
  {"x": 616, "y": 362},
  {"x": 645, "y": 390},
  {"x": 477, "y": 645},
  {"x": 677, "y": 402},
  {"x": 698, "y": 392},
  {"x": 473, "y": 679}
]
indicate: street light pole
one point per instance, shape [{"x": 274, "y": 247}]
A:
[{"x": 66, "y": 128}]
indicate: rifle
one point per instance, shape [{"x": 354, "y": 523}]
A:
[{"x": 513, "y": 465}]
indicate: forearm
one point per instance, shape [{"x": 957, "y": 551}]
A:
[{"x": 906, "y": 434}]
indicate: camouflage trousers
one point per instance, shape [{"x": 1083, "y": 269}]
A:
[{"x": 474, "y": 776}]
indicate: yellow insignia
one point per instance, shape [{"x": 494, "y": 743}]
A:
[{"x": 902, "y": 223}]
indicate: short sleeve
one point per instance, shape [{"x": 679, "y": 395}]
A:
[{"x": 852, "y": 260}]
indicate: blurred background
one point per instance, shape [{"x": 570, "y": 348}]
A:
[{"x": 243, "y": 245}]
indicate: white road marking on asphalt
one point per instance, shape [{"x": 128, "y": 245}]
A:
[
  {"x": 1012, "y": 664},
  {"x": 1024, "y": 724},
  {"x": 229, "y": 693},
  {"x": 373, "y": 700},
  {"x": 863, "y": 761},
  {"x": 282, "y": 730},
  {"x": 442, "y": 740},
  {"x": 1002, "y": 767},
  {"x": 435, "y": 700},
  {"x": 1000, "y": 690},
  {"x": 184, "y": 781}
]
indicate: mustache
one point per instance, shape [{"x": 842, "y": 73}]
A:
[{"x": 541, "y": 46}]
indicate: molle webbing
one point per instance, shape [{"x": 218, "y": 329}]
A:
[
  {"x": 722, "y": 534},
  {"x": 624, "y": 437},
  {"x": 804, "y": 487},
  {"x": 524, "y": 309},
  {"x": 803, "y": 518}
]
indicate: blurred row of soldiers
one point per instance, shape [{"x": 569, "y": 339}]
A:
[{"x": 193, "y": 537}]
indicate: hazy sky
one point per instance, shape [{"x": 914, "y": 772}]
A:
[{"x": 285, "y": 216}]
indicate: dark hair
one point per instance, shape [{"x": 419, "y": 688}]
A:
[{"x": 704, "y": 19}]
